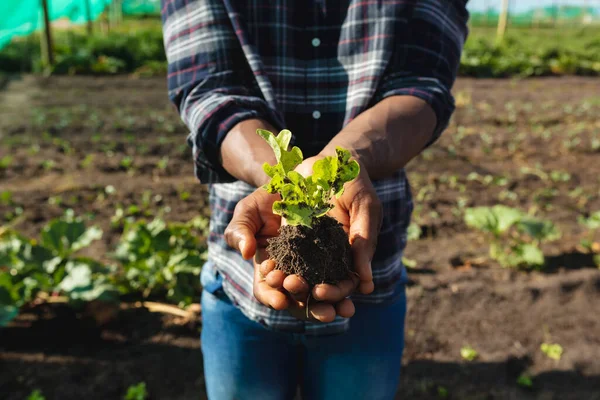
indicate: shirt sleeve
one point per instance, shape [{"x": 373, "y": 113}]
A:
[
  {"x": 209, "y": 80},
  {"x": 426, "y": 57}
]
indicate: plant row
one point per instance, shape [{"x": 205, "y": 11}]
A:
[
  {"x": 152, "y": 260},
  {"x": 139, "y": 50}
]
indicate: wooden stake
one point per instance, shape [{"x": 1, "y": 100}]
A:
[
  {"x": 502, "y": 21},
  {"x": 88, "y": 16},
  {"x": 48, "y": 48}
]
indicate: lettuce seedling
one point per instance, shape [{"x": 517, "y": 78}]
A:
[{"x": 303, "y": 200}]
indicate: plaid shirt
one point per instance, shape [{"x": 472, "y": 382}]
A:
[{"x": 309, "y": 66}]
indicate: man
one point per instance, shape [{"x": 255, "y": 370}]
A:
[{"x": 371, "y": 76}]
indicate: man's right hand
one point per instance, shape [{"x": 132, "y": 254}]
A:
[{"x": 252, "y": 224}]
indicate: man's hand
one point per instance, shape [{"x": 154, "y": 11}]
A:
[{"x": 253, "y": 222}]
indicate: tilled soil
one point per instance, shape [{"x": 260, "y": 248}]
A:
[{"x": 530, "y": 144}]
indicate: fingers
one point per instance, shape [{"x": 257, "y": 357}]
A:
[
  {"x": 252, "y": 218},
  {"x": 265, "y": 293},
  {"x": 322, "y": 312},
  {"x": 275, "y": 279},
  {"x": 297, "y": 287},
  {"x": 345, "y": 308},
  {"x": 365, "y": 221},
  {"x": 335, "y": 293}
]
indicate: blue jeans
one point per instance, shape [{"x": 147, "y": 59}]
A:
[{"x": 244, "y": 360}]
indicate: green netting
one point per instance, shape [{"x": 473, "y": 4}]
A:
[
  {"x": 141, "y": 7},
  {"x": 550, "y": 14},
  {"x": 22, "y": 17}
]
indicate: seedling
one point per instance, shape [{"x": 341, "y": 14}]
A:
[
  {"x": 87, "y": 161},
  {"x": 137, "y": 392},
  {"x": 553, "y": 351},
  {"x": 515, "y": 237},
  {"x": 5, "y": 162},
  {"x": 36, "y": 395},
  {"x": 163, "y": 163},
  {"x": 525, "y": 381},
  {"x": 126, "y": 163},
  {"x": 48, "y": 165},
  {"x": 305, "y": 201},
  {"x": 468, "y": 353}
]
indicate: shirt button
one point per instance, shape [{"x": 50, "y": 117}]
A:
[
  {"x": 316, "y": 42},
  {"x": 316, "y": 114}
]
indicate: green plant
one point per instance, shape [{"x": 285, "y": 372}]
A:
[
  {"x": 413, "y": 232},
  {"x": 36, "y": 395},
  {"x": 51, "y": 267},
  {"x": 442, "y": 392},
  {"x": 515, "y": 236},
  {"x": 6, "y": 197},
  {"x": 468, "y": 353},
  {"x": 137, "y": 392},
  {"x": 163, "y": 163},
  {"x": 305, "y": 199},
  {"x": 48, "y": 165},
  {"x": 5, "y": 162},
  {"x": 126, "y": 163},
  {"x": 553, "y": 351},
  {"x": 87, "y": 161},
  {"x": 161, "y": 260},
  {"x": 592, "y": 223},
  {"x": 525, "y": 381}
]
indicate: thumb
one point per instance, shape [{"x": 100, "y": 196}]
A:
[
  {"x": 365, "y": 221},
  {"x": 244, "y": 225}
]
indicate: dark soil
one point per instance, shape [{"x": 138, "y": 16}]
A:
[
  {"x": 320, "y": 254},
  {"x": 506, "y": 140}
]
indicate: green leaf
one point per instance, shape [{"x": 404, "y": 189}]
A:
[
  {"x": 468, "y": 353},
  {"x": 413, "y": 232},
  {"x": 496, "y": 220},
  {"x": 529, "y": 255},
  {"x": 291, "y": 159},
  {"x": 292, "y": 193},
  {"x": 7, "y": 314},
  {"x": 137, "y": 392},
  {"x": 287, "y": 160},
  {"x": 36, "y": 395},
  {"x": 65, "y": 237},
  {"x": 538, "y": 230},
  {"x": 270, "y": 138},
  {"x": 275, "y": 185},
  {"x": 346, "y": 171},
  {"x": 552, "y": 350},
  {"x": 284, "y": 138},
  {"x": 325, "y": 169},
  {"x": 592, "y": 222},
  {"x": 525, "y": 381},
  {"x": 295, "y": 213},
  {"x": 80, "y": 283}
]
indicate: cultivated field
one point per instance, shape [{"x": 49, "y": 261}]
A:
[{"x": 113, "y": 148}]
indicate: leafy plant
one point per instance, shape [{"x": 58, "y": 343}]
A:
[
  {"x": 515, "y": 236},
  {"x": 137, "y": 392},
  {"x": 5, "y": 162},
  {"x": 468, "y": 353},
  {"x": 552, "y": 350},
  {"x": 305, "y": 199},
  {"x": 413, "y": 232},
  {"x": 36, "y": 395},
  {"x": 525, "y": 381},
  {"x": 28, "y": 268},
  {"x": 161, "y": 260},
  {"x": 592, "y": 223}
]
